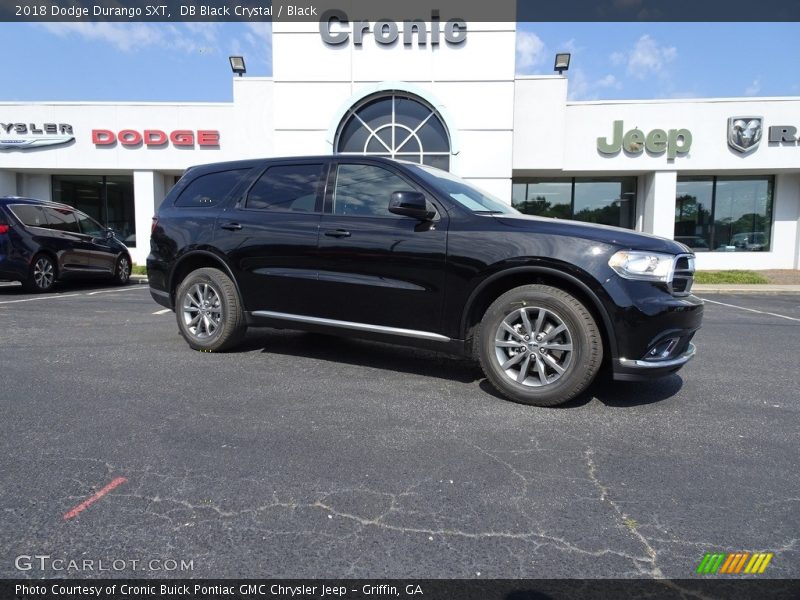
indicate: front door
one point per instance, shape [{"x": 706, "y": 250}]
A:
[{"x": 376, "y": 267}]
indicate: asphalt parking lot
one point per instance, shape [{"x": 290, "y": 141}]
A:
[{"x": 303, "y": 455}]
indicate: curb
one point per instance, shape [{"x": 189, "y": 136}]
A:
[
  {"x": 142, "y": 279},
  {"x": 746, "y": 289}
]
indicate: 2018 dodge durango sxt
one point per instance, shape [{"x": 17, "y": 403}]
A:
[{"x": 410, "y": 254}]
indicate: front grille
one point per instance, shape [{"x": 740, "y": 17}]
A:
[{"x": 682, "y": 275}]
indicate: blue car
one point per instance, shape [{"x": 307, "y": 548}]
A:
[{"x": 43, "y": 242}]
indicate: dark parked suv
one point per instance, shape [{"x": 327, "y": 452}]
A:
[
  {"x": 410, "y": 254},
  {"x": 42, "y": 242}
]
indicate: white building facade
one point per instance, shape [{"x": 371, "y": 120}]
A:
[{"x": 721, "y": 175}]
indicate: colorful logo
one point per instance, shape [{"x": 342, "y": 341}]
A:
[{"x": 734, "y": 563}]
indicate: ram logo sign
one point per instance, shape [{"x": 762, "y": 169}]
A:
[{"x": 744, "y": 133}]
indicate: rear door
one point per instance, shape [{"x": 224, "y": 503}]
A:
[
  {"x": 270, "y": 236},
  {"x": 376, "y": 267},
  {"x": 65, "y": 239}
]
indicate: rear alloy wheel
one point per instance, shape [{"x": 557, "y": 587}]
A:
[
  {"x": 209, "y": 311},
  {"x": 539, "y": 345},
  {"x": 122, "y": 272},
  {"x": 42, "y": 275}
]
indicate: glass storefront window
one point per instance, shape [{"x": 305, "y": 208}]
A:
[
  {"x": 725, "y": 214},
  {"x": 106, "y": 198},
  {"x": 693, "y": 204},
  {"x": 609, "y": 201}
]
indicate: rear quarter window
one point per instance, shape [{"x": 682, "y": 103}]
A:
[
  {"x": 29, "y": 215},
  {"x": 210, "y": 189}
]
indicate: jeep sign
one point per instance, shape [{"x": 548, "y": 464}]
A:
[{"x": 658, "y": 141}]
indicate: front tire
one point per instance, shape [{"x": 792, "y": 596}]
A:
[
  {"x": 42, "y": 275},
  {"x": 539, "y": 345},
  {"x": 209, "y": 311},
  {"x": 122, "y": 271}
]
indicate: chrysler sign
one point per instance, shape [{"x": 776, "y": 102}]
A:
[{"x": 23, "y": 136}]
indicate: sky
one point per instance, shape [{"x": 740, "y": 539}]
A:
[{"x": 189, "y": 61}]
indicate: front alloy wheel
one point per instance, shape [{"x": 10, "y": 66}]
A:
[
  {"x": 533, "y": 346},
  {"x": 540, "y": 345},
  {"x": 123, "y": 270}
]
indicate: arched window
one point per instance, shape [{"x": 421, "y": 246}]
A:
[{"x": 395, "y": 125}]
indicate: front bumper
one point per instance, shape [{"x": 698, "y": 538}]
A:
[{"x": 626, "y": 369}]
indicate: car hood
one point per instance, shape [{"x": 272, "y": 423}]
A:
[{"x": 616, "y": 236}]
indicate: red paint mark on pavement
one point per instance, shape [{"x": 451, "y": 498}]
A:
[{"x": 94, "y": 498}]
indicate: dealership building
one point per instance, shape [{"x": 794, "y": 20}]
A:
[{"x": 719, "y": 174}]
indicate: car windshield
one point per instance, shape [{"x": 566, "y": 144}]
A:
[{"x": 467, "y": 195}]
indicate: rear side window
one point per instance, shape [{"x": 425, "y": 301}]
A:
[
  {"x": 61, "y": 219},
  {"x": 210, "y": 189},
  {"x": 287, "y": 188},
  {"x": 29, "y": 215}
]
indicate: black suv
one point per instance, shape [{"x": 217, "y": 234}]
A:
[
  {"x": 42, "y": 242},
  {"x": 410, "y": 254}
]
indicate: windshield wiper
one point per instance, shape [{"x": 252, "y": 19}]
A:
[{"x": 488, "y": 212}]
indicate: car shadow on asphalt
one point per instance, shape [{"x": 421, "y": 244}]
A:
[
  {"x": 365, "y": 353},
  {"x": 413, "y": 361},
  {"x": 617, "y": 394}
]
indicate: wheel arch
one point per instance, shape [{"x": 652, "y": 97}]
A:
[
  {"x": 498, "y": 283},
  {"x": 198, "y": 259}
]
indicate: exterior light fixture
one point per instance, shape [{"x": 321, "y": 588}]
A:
[
  {"x": 562, "y": 62},
  {"x": 237, "y": 64}
]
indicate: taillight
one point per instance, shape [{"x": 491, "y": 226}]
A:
[
  {"x": 153, "y": 226},
  {"x": 4, "y": 229}
]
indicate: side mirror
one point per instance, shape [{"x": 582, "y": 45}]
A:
[
  {"x": 410, "y": 204},
  {"x": 109, "y": 234}
]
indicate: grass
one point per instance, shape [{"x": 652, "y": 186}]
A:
[
  {"x": 729, "y": 277},
  {"x": 139, "y": 270}
]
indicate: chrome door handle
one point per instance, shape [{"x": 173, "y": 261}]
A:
[
  {"x": 338, "y": 233},
  {"x": 231, "y": 226}
]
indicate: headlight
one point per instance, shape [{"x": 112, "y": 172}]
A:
[{"x": 645, "y": 266}]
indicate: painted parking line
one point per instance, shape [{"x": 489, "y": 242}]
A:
[
  {"x": 761, "y": 312},
  {"x": 55, "y": 297},
  {"x": 162, "y": 312},
  {"x": 115, "y": 291}
]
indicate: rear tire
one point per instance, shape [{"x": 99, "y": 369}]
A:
[
  {"x": 539, "y": 345},
  {"x": 42, "y": 275},
  {"x": 209, "y": 311}
]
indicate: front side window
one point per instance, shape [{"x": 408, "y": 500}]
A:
[
  {"x": 287, "y": 188},
  {"x": 61, "y": 219},
  {"x": 725, "y": 214},
  {"x": 89, "y": 226},
  {"x": 365, "y": 190}
]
